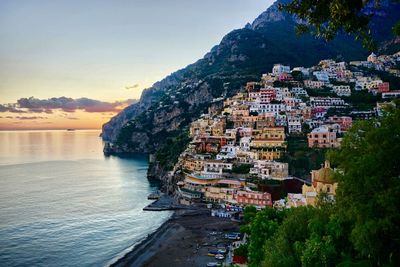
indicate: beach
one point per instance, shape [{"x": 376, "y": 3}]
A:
[{"x": 184, "y": 240}]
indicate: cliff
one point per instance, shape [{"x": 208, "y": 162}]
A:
[{"x": 158, "y": 123}]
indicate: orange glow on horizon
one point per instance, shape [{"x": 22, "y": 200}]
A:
[{"x": 56, "y": 120}]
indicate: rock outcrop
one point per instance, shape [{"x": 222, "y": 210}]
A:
[{"x": 154, "y": 123}]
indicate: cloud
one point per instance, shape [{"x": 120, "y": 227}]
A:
[
  {"x": 66, "y": 104},
  {"x": 136, "y": 85},
  {"x": 10, "y": 108},
  {"x": 28, "y": 118},
  {"x": 72, "y": 118}
]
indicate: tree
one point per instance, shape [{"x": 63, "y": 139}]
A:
[
  {"x": 360, "y": 228},
  {"x": 369, "y": 188},
  {"x": 242, "y": 250},
  {"x": 262, "y": 227},
  {"x": 325, "y": 18}
]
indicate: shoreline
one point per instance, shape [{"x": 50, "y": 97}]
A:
[
  {"x": 130, "y": 257},
  {"x": 184, "y": 239}
]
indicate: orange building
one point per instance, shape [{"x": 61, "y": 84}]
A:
[{"x": 253, "y": 198}]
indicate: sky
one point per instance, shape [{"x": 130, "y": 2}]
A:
[{"x": 57, "y": 55}]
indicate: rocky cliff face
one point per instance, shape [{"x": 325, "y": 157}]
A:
[{"x": 154, "y": 123}]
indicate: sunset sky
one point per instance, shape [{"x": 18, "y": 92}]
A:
[{"x": 74, "y": 64}]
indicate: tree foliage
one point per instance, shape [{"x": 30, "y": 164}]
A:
[
  {"x": 369, "y": 187},
  {"x": 325, "y": 18},
  {"x": 361, "y": 228}
]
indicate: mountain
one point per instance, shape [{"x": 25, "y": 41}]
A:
[{"x": 156, "y": 123}]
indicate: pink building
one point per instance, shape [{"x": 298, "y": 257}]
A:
[
  {"x": 345, "y": 122},
  {"x": 383, "y": 87},
  {"x": 285, "y": 77},
  {"x": 318, "y": 112},
  {"x": 267, "y": 95},
  {"x": 254, "y": 198},
  {"x": 322, "y": 137}
]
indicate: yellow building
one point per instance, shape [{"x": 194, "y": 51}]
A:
[
  {"x": 273, "y": 133},
  {"x": 321, "y": 181},
  {"x": 193, "y": 164},
  {"x": 260, "y": 143},
  {"x": 269, "y": 154},
  {"x": 218, "y": 128},
  {"x": 223, "y": 192},
  {"x": 268, "y": 138}
]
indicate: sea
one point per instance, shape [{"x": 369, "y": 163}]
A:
[{"x": 63, "y": 203}]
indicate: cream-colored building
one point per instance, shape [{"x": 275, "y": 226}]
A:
[{"x": 321, "y": 181}]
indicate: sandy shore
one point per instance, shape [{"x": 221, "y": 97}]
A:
[{"x": 183, "y": 240}]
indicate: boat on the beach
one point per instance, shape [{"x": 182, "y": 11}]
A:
[{"x": 154, "y": 196}]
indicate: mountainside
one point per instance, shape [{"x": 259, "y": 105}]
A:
[{"x": 156, "y": 122}]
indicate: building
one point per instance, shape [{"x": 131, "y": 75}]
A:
[
  {"x": 253, "y": 198},
  {"x": 327, "y": 102},
  {"x": 294, "y": 124},
  {"x": 279, "y": 69},
  {"x": 210, "y": 144},
  {"x": 381, "y": 106},
  {"x": 216, "y": 166},
  {"x": 383, "y": 87},
  {"x": 299, "y": 91},
  {"x": 313, "y": 84},
  {"x": 269, "y": 153},
  {"x": 322, "y": 76},
  {"x": 267, "y": 169},
  {"x": 391, "y": 94},
  {"x": 283, "y": 77},
  {"x": 363, "y": 115},
  {"x": 372, "y": 58},
  {"x": 274, "y": 108},
  {"x": 267, "y": 95},
  {"x": 244, "y": 143},
  {"x": 193, "y": 164},
  {"x": 318, "y": 113},
  {"x": 227, "y": 152},
  {"x": 342, "y": 90},
  {"x": 222, "y": 192},
  {"x": 253, "y": 86},
  {"x": 321, "y": 181},
  {"x": 268, "y": 137},
  {"x": 344, "y": 122},
  {"x": 322, "y": 137}
]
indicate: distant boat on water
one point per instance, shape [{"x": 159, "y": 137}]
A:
[{"x": 70, "y": 130}]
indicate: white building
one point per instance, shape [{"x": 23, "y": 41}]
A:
[
  {"x": 304, "y": 71},
  {"x": 274, "y": 108},
  {"x": 244, "y": 143},
  {"x": 391, "y": 94},
  {"x": 216, "y": 166},
  {"x": 227, "y": 152},
  {"x": 299, "y": 91},
  {"x": 279, "y": 69},
  {"x": 313, "y": 84},
  {"x": 321, "y": 76},
  {"x": 267, "y": 169},
  {"x": 327, "y": 102},
  {"x": 342, "y": 90},
  {"x": 294, "y": 124},
  {"x": 372, "y": 58}
]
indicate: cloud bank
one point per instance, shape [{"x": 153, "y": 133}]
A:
[{"x": 66, "y": 104}]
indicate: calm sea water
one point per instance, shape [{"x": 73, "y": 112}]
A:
[{"x": 62, "y": 203}]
